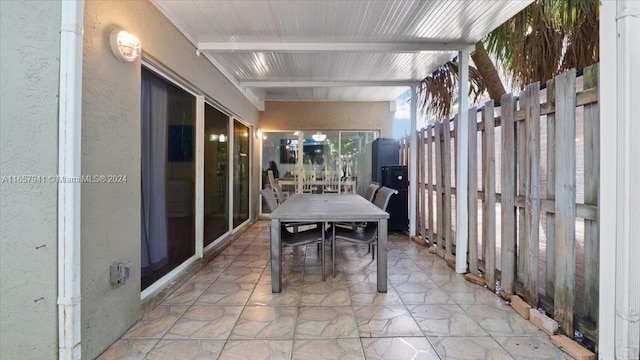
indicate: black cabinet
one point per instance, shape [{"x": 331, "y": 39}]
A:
[
  {"x": 396, "y": 177},
  {"x": 384, "y": 151}
]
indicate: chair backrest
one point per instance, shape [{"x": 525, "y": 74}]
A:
[
  {"x": 272, "y": 180},
  {"x": 269, "y": 199},
  {"x": 330, "y": 181},
  {"x": 307, "y": 178},
  {"x": 279, "y": 193},
  {"x": 382, "y": 197},
  {"x": 371, "y": 191}
]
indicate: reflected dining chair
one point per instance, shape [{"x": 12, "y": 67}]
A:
[{"x": 368, "y": 234}]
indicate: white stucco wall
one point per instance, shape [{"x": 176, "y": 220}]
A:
[
  {"x": 111, "y": 145},
  {"x": 30, "y": 48},
  {"x": 328, "y": 115}
]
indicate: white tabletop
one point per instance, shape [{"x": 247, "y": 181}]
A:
[{"x": 328, "y": 207}]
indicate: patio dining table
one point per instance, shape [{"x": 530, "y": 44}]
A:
[{"x": 327, "y": 208}]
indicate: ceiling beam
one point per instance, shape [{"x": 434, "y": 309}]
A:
[
  {"x": 333, "y": 47},
  {"x": 316, "y": 84}
]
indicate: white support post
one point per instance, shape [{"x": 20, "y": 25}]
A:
[
  {"x": 413, "y": 163},
  {"x": 462, "y": 154},
  {"x": 69, "y": 153}
]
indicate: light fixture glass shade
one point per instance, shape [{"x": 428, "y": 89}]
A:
[
  {"x": 125, "y": 46},
  {"x": 319, "y": 136},
  {"x": 222, "y": 138},
  {"x": 213, "y": 137}
]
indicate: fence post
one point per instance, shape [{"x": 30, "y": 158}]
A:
[
  {"x": 532, "y": 193},
  {"x": 591, "y": 184},
  {"x": 472, "y": 188},
  {"x": 508, "y": 226},
  {"x": 550, "y": 268},
  {"x": 489, "y": 204},
  {"x": 565, "y": 205}
]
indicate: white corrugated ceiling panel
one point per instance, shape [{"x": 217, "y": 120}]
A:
[{"x": 324, "y": 26}]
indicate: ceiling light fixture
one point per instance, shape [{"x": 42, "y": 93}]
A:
[{"x": 319, "y": 136}]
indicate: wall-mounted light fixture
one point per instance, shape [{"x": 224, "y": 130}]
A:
[
  {"x": 319, "y": 136},
  {"x": 213, "y": 137},
  {"x": 222, "y": 138},
  {"x": 125, "y": 46}
]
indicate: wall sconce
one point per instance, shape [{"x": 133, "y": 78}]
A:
[
  {"x": 125, "y": 46},
  {"x": 222, "y": 138},
  {"x": 319, "y": 136},
  {"x": 213, "y": 137},
  {"x": 258, "y": 133}
]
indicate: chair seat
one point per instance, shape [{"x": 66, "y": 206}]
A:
[
  {"x": 367, "y": 235},
  {"x": 304, "y": 237}
]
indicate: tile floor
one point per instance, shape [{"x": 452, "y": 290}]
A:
[{"x": 227, "y": 311}]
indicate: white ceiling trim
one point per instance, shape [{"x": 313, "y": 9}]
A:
[
  {"x": 255, "y": 99},
  {"x": 313, "y": 84},
  {"x": 333, "y": 47}
]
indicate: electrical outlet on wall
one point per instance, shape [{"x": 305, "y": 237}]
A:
[{"x": 121, "y": 272}]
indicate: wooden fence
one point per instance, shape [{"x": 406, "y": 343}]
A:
[{"x": 532, "y": 196}]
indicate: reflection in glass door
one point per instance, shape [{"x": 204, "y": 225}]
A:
[
  {"x": 216, "y": 174},
  {"x": 167, "y": 177},
  {"x": 240, "y": 173}
]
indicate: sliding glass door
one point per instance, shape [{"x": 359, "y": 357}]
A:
[
  {"x": 168, "y": 177},
  {"x": 216, "y": 174},
  {"x": 179, "y": 134},
  {"x": 241, "y": 172},
  {"x": 319, "y": 161}
]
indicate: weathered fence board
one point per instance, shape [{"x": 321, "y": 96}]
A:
[
  {"x": 439, "y": 188},
  {"x": 591, "y": 183},
  {"x": 521, "y": 164},
  {"x": 525, "y": 153},
  {"x": 532, "y": 192},
  {"x": 472, "y": 192},
  {"x": 429, "y": 212},
  {"x": 489, "y": 196},
  {"x": 565, "y": 217},
  {"x": 421, "y": 227},
  {"x": 446, "y": 155},
  {"x": 550, "y": 264},
  {"x": 508, "y": 225}
]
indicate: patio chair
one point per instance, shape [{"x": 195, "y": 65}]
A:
[
  {"x": 369, "y": 194},
  {"x": 371, "y": 191},
  {"x": 297, "y": 237},
  {"x": 281, "y": 195},
  {"x": 366, "y": 235}
]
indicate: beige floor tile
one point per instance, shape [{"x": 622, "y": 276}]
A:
[
  {"x": 186, "y": 350},
  {"x": 385, "y": 321},
  {"x": 325, "y": 322},
  {"x": 327, "y": 349},
  {"x": 256, "y": 350},
  {"x": 265, "y": 322},
  {"x": 469, "y": 348},
  {"x": 128, "y": 349},
  {"x": 445, "y": 320},
  {"x": 155, "y": 323},
  {"x": 205, "y": 322},
  {"x": 325, "y": 294},
  {"x": 500, "y": 320},
  {"x": 530, "y": 348},
  {"x": 226, "y": 293},
  {"x": 399, "y": 348},
  {"x": 289, "y": 296},
  {"x": 240, "y": 274}
]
